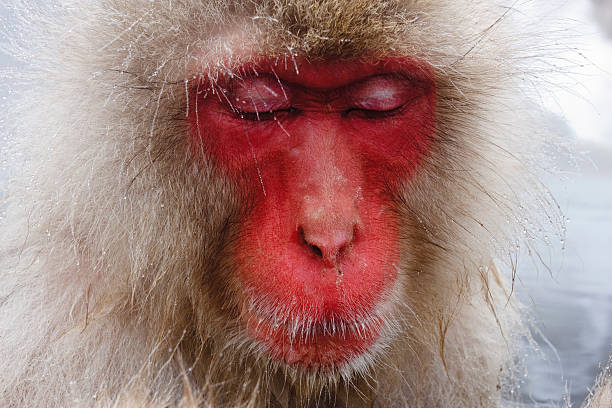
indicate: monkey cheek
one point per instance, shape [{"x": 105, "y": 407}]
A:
[{"x": 305, "y": 312}]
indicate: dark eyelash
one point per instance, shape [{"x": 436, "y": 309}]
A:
[
  {"x": 263, "y": 116},
  {"x": 373, "y": 114}
]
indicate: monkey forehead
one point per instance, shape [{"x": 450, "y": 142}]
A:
[
  {"x": 333, "y": 73},
  {"x": 326, "y": 73}
]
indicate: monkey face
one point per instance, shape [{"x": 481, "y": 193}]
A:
[{"x": 320, "y": 149}]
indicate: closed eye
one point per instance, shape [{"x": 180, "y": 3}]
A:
[
  {"x": 380, "y": 96},
  {"x": 256, "y": 98},
  {"x": 373, "y": 114}
]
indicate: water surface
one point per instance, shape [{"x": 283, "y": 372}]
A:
[{"x": 573, "y": 307}]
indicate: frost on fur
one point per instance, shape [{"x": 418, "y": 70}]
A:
[{"x": 117, "y": 289}]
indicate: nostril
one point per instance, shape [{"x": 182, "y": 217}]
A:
[
  {"x": 315, "y": 249},
  {"x": 329, "y": 247},
  {"x": 342, "y": 250}
]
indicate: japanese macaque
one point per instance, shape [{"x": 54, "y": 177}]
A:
[{"x": 268, "y": 203}]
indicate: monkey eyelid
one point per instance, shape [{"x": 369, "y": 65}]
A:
[
  {"x": 259, "y": 94},
  {"x": 381, "y": 93},
  {"x": 371, "y": 114}
]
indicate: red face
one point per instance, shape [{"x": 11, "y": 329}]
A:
[{"x": 320, "y": 149}]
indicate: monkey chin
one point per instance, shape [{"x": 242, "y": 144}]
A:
[
  {"x": 322, "y": 346},
  {"x": 323, "y": 332}
]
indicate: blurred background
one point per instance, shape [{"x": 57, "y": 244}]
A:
[
  {"x": 572, "y": 303},
  {"x": 570, "y": 298}
]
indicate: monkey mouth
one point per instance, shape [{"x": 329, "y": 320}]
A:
[{"x": 323, "y": 344}]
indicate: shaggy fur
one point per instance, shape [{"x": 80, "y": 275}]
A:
[
  {"x": 601, "y": 396},
  {"x": 116, "y": 280}
]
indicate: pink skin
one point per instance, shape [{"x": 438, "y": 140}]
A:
[{"x": 319, "y": 149}]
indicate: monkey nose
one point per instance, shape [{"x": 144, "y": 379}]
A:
[{"x": 329, "y": 245}]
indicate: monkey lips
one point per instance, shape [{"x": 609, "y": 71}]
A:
[
  {"x": 317, "y": 149},
  {"x": 314, "y": 345}
]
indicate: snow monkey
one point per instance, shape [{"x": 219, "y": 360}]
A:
[{"x": 267, "y": 203}]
